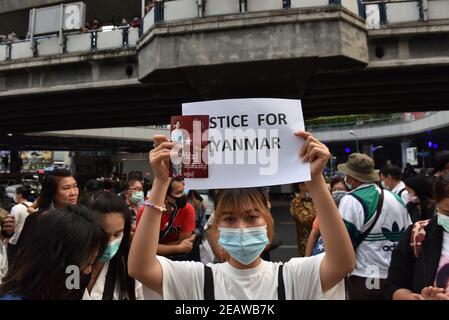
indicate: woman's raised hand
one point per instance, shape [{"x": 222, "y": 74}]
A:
[
  {"x": 160, "y": 157},
  {"x": 314, "y": 152}
]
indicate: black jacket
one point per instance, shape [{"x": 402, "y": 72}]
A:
[{"x": 412, "y": 273}]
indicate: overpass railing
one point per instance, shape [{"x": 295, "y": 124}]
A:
[
  {"x": 80, "y": 42},
  {"x": 363, "y": 121},
  {"x": 388, "y": 12},
  {"x": 175, "y": 10},
  {"x": 376, "y": 12}
]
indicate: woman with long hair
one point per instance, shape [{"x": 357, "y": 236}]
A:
[
  {"x": 56, "y": 257},
  {"x": 245, "y": 229},
  {"x": 420, "y": 205},
  {"x": 110, "y": 279},
  {"x": 419, "y": 264}
]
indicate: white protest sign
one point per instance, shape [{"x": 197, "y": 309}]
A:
[{"x": 252, "y": 143}]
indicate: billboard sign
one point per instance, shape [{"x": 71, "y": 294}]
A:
[{"x": 70, "y": 16}]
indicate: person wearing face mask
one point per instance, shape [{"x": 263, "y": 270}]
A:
[
  {"x": 390, "y": 178},
  {"x": 421, "y": 205},
  {"x": 134, "y": 197},
  {"x": 20, "y": 213},
  {"x": 420, "y": 262},
  {"x": 177, "y": 237},
  {"x": 245, "y": 228},
  {"x": 110, "y": 279},
  {"x": 441, "y": 165},
  {"x": 55, "y": 261},
  {"x": 338, "y": 189},
  {"x": 314, "y": 244},
  {"x": 376, "y": 220},
  {"x": 303, "y": 212}
]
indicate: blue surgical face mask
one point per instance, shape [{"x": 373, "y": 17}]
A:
[
  {"x": 443, "y": 220},
  {"x": 137, "y": 197},
  {"x": 111, "y": 250},
  {"x": 244, "y": 244}
]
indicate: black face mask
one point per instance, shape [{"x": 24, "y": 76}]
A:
[{"x": 181, "y": 202}]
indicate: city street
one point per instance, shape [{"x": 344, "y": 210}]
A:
[{"x": 285, "y": 229}]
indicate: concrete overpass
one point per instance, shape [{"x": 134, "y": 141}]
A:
[{"x": 325, "y": 55}]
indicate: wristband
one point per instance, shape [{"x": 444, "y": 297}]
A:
[{"x": 152, "y": 205}]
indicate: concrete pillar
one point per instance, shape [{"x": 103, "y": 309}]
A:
[
  {"x": 15, "y": 162},
  {"x": 368, "y": 149},
  {"x": 405, "y": 143}
]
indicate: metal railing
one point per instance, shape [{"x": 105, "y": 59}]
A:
[
  {"x": 389, "y": 12},
  {"x": 175, "y": 10},
  {"x": 75, "y": 42},
  {"x": 376, "y": 12},
  {"x": 357, "y": 122}
]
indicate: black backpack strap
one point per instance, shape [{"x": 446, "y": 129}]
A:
[
  {"x": 281, "y": 286},
  {"x": 400, "y": 192},
  {"x": 163, "y": 234},
  {"x": 380, "y": 203},
  {"x": 209, "y": 293},
  {"x": 108, "y": 291}
]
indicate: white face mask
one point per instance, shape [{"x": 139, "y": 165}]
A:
[
  {"x": 14, "y": 198},
  {"x": 412, "y": 198},
  {"x": 348, "y": 185},
  {"x": 384, "y": 185}
]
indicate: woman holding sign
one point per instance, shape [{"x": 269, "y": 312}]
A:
[{"x": 245, "y": 229}]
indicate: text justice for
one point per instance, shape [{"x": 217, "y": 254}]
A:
[{"x": 241, "y": 120}]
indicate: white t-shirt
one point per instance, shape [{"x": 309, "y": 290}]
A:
[
  {"x": 404, "y": 194},
  {"x": 184, "y": 280},
  {"x": 97, "y": 290},
  {"x": 20, "y": 213},
  {"x": 373, "y": 255}
]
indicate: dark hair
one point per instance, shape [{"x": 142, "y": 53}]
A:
[
  {"x": 50, "y": 186},
  {"x": 422, "y": 188},
  {"x": 24, "y": 191},
  {"x": 441, "y": 187},
  {"x": 170, "y": 186},
  {"x": 441, "y": 160},
  {"x": 108, "y": 184},
  {"x": 442, "y": 276},
  {"x": 135, "y": 175},
  {"x": 241, "y": 199},
  {"x": 391, "y": 170},
  {"x": 103, "y": 203},
  {"x": 92, "y": 186},
  {"x": 193, "y": 194},
  {"x": 57, "y": 239},
  {"x": 336, "y": 180},
  {"x": 211, "y": 195},
  {"x": 131, "y": 182}
]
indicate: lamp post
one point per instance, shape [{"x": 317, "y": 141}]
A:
[
  {"x": 356, "y": 140},
  {"x": 377, "y": 148}
]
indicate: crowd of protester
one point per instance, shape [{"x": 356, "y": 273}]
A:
[{"x": 120, "y": 239}]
